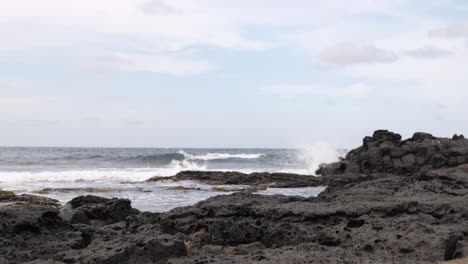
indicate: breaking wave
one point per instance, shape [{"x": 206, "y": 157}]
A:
[
  {"x": 99, "y": 175},
  {"x": 220, "y": 156}
]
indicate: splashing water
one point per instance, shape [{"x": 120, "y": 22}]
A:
[
  {"x": 121, "y": 172},
  {"x": 318, "y": 153}
]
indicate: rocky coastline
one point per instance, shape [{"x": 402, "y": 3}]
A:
[{"x": 388, "y": 201}]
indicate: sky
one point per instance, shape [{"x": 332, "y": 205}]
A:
[{"x": 219, "y": 73}]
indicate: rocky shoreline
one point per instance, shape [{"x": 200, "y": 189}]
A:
[{"x": 388, "y": 201}]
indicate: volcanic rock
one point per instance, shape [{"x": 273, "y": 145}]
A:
[
  {"x": 386, "y": 152},
  {"x": 272, "y": 180}
]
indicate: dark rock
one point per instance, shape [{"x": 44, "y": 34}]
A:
[
  {"x": 87, "y": 200},
  {"x": 421, "y": 136},
  {"x": 41, "y": 261},
  {"x": 272, "y": 180},
  {"x": 332, "y": 168},
  {"x": 381, "y": 136},
  {"x": 133, "y": 248},
  {"x": 409, "y": 162},
  {"x": 451, "y": 246},
  {"x": 386, "y": 152},
  {"x": 387, "y": 161},
  {"x": 437, "y": 161},
  {"x": 99, "y": 211},
  {"x": 355, "y": 223}
]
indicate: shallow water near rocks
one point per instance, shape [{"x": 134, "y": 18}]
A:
[
  {"x": 165, "y": 196},
  {"x": 64, "y": 173}
]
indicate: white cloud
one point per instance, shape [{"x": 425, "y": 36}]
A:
[
  {"x": 146, "y": 63},
  {"x": 345, "y": 54},
  {"x": 458, "y": 30},
  {"x": 443, "y": 81},
  {"x": 29, "y": 107},
  {"x": 379, "y": 46},
  {"x": 157, "y": 7},
  {"x": 160, "y": 26},
  {"x": 166, "y": 25},
  {"x": 429, "y": 52},
  {"x": 356, "y": 90},
  {"x": 453, "y": 31}
]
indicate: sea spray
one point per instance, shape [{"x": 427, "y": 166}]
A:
[{"x": 318, "y": 153}]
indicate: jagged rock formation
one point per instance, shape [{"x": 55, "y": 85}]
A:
[{"x": 386, "y": 152}]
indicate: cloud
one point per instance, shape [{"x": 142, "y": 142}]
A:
[
  {"x": 356, "y": 90},
  {"x": 10, "y": 87},
  {"x": 157, "y": 7},
  {"x": 428, "y": 52},
  {"x": 135, "y": 122},
  {"x": 459, "y": 30},
  {"x": 119, "y": 62},
  {"x": 28, "y": 105},
  {"x": 113, "y": 98},
  {"x": 453, "y": 31},
  {"x": 91, "y": 120},
  {"x": 34, "y": 122},
  {"x": 155, "y": 25},
  {"x": 345, "y": 54}
]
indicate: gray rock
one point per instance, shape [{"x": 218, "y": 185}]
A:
[
  {"x": 422, "y": 150},
  {"x": 421, "y": 136},
  {"x": 98, "y": 211},
  {"x": 409, "y": 161}
]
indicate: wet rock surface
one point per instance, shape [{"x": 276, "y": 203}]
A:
[
  {"x": 370, "y": 214},
  {"x": 264, "y": 179}
]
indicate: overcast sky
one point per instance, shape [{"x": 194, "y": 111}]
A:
[{"x": 237, "y": 73}]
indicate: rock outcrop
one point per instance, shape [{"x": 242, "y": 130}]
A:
[
  {"x": 386, "y": 152},
  {"x": 97, "y": 211},
  {"x": 272, "y": 180}
]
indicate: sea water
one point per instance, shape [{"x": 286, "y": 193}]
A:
[{"x": 64, "y": 173}]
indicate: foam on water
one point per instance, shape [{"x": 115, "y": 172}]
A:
[
  {"x": 98, "y": 175},
  {"x": 122, "y": 172},
  {"x": 220, "y": 156}
]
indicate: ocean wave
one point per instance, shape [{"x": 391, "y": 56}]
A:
[
  {"x": 220, "y": 156},
  {"x": 99, "y": 175},
  {"x": 151, "y": 159},
  {"x": 156, "y": 159}
]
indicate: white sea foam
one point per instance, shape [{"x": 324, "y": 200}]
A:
[
  {"x": 221, "y": 156},
  {"x": 305, "y": 192},
  {"x": 99, "y": 175},
  {"x": 315, "y": 154}
]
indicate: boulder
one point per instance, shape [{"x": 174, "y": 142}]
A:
[
  {"x": 421, "y": 136},
  {"x": 97, "y": 211}
]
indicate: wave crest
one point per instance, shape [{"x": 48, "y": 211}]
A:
[{"x": 221, "y": 156}]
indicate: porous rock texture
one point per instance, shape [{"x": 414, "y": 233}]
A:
[
  {"x": 371, "y": 215},
  {"x": 385, "y": 151}
]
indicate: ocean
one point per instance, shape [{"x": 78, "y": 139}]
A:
[{"x": 64, "y": 173}]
